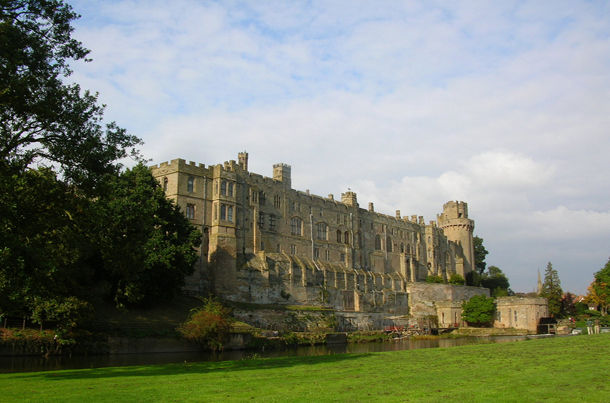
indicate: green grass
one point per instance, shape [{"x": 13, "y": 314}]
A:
[{"x": 555, "y": 369}]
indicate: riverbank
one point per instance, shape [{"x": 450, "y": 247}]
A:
[{"x": 554, "y": 369}]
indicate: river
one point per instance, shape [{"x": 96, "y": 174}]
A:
[{"x": 35, "y": 363}]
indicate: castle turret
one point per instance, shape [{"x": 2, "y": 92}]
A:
[
  {"x": 281, "y": 172},
  {"x": 458, "y": 228}
]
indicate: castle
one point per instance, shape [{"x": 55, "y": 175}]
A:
[{"x": 264, "y": 242}]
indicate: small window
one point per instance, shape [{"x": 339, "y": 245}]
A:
[
  {"x": 377, "y": 242},
  {"x": 339, "y": 236},
  {"x": 277, "y": 201},
  {"x": 402, "y": 247},
  {"x": 272, "y": 223},
  {"x": 316, "y": 253},
  {"x": 327, "y": 255},
  {"x": 254, "y": 196},
  {"x": 165, "y": 181},
  {"x": 190, "y": 211},
  {"x": 261, "y": 219},
  {"x": 230, "y": 213},
  {"x": 230, "y": 189},
  {"x": 388, "y": 244},
  {"x": 261, "y": 198},
  {"x": 293, "y": 249},
  {"x": 223, "y": 188},
  {"x": 346, "y": 238},
  {"x": 190, "y": 184},
  {"x": 342, "y": 257},
  {"x": 223, "y": 212}
]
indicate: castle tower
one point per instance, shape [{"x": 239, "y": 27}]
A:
[
  {"x": 242, "y": 159},
  {"x": 458, "y": 228},
  {"x": 349, "y": 198},
  {"x": 281, "y": 172}
]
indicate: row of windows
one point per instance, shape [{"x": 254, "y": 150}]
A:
[
  {"x": 226, "y": 212},
  {"x": 390, "y": 245}
]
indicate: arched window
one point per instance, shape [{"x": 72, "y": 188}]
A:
[
  {"x": 165, "y": 181},
  {"x": 339, "y": 236},
  {"x": 223, "y": 188},
  {"x": 388, "y": 244},
  {"x": 346, "y": 238},
  {"x": 322, "y": 231},
  {"x": 377, "y": 242},
  {"x": 190, "y": 184},
  {"x": 296, "y": 226}
]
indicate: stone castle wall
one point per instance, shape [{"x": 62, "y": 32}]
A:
[{"x": 265, "y": 242}]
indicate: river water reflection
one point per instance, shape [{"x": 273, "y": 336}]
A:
[{"x": 32, "y": 363}]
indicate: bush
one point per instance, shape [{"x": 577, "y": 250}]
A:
[
  {"x": 209, "y": 325},
  {"x": 456, "y": 279},
  {"x": 434, "y": 279},
  {"x": 479, "y": 310}
]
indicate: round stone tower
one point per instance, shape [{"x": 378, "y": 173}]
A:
[{"x": 458, "y": 228}]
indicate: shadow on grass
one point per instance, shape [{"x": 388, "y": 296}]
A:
[{"x": 188, "y": 367}]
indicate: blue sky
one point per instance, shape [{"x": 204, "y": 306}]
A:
[{"x": 505, "y": 105}]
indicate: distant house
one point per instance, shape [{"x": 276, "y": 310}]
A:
[{"x": 520, "y": 312}]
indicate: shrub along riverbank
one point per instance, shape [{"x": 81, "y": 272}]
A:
[{"x": 554, "y": 369}]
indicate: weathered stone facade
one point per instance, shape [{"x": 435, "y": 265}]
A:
[
  {"x": 267, "y": 243},
  {"x": 520, "y": 312}
]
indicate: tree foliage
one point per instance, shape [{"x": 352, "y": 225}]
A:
[
  {"x": 79, "y": 223},
  {"x": 551, "y": 290},
  {"x": 147, "y": 245},
  {"x": 599, "y": 290},
  {"x": 479, "y": 310},
  {"x": 496, "y": 281},
  {"x": 479, "y": 254},
  {"x": 209, "y": 325},
  {"x": 41, "y": 117}
]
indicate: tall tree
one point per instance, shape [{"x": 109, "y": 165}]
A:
[
  {"x": 599, "y": 290},
  {"x": 479, "y": 254},
  {"x": 496, "y": 281},
  {"x": 146, "y": 243},
  {"x": 43, "y": 119},
  {"x": 551, "y": 290}
]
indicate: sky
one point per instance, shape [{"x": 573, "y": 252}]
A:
[{"x": 410, "y": 104}]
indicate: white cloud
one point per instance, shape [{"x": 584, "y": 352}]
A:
[{"x": 505, "y": 105}]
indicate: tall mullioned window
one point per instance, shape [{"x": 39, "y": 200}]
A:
[
  {"x": 388, "y": 244},
  {"x": 277, "y": 201},
  {"x": 223, "y": 212},
  {"x": 322, "y": 231},
  {"x": 190, "y": 211},
  {"x": 272, "y": 226},
  {"x": 230, "y": 189},
  {"x": 190, "y": 184},
  {"x": 230, "y": 213},
  {"x": 296, "y": 226},
  {"x": 377, "y": 242},
  {"x": 223, "y": 188}
]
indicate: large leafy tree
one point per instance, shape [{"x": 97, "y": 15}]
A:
[
  {"x": 599, "y": 290},
  {"x": 496, "y": 281},
  {"x": 42, "y": 118},
  {"x": 44, "y": 242},
  {"x": 479, "y": 310},
  {"x": 551, "y": 290},
  {"x": 146, "y": 244}
]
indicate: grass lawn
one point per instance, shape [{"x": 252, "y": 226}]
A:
[{"x": 555, "y": 369}]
